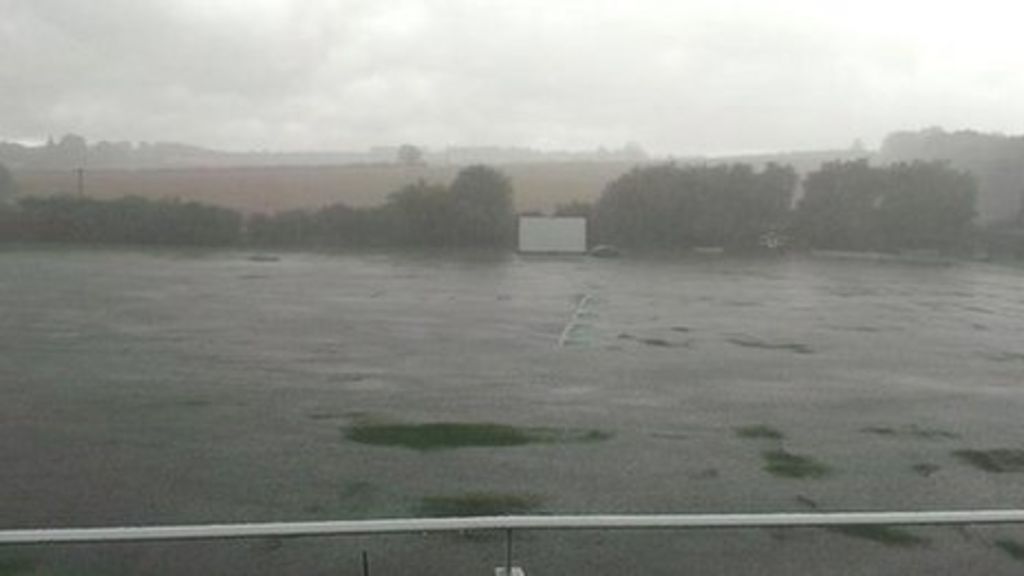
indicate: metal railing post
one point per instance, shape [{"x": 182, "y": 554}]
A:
[{"x": 508, "y": 552}]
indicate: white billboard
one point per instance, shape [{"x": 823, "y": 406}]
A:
[{"x": 552, "y": 235}]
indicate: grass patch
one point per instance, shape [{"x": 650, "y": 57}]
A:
[
  {"x": 1012, "y": 548},
  {"x": 477, "y": 504},
  {"x": 998, "y": 460},
  {"x": 807, "y": 501},
  {"x": 452, "y": 435},
  {"x": 879, "y": 430},
  {"x": 649, "y": 341},
  {"x": 789, "y": 465},
  {"x": 885, "y": 535},
  {"x": 586, "y": 436},
  {"x": 748, "y": 342},
  {"x": 912, "y": 431},
  {"x": 925, "y": 469},
  {"x": 759, "y": 431}
]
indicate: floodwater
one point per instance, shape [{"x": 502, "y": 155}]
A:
[{"x": 192, "y": 387}]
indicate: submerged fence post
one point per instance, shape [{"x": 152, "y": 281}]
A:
[{"x": 508, "y": 552}]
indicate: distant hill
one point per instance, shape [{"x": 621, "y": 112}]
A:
[
  {"x": 539, "y": 186},
  {"x": 73, "y": 152},
  {"x": 803, "y": 161},
  {"x": 268, "y": 182}
]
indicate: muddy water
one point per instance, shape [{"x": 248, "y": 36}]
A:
[{"x": 169, "y": 387}]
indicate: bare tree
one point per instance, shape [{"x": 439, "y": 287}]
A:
[{"x": 409, "y": 155}]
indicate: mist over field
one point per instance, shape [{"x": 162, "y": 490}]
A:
[{"x": 678, "y": 78}]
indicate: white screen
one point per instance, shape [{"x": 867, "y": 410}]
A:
[{"x": 552, "y": 235}]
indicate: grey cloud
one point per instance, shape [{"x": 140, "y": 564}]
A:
[{"x": 677, "y": 76}]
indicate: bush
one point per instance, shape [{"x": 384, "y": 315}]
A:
[
  {"x": 129, "y": 220},
  {"x": 906, "y": 206},
  {"x": 475, "y": 211},
  {"x": 668, "y": 206}
]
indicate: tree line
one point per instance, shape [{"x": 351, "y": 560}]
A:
[
  {"x": 845, "y": 205},
  {"x": 129, "y": 220},
  {"x": 994, "y": 159},
  {"x": 670, "y": 206},
  {"x": 903, "y": 206},
  {"x": 475, "y": 210}
]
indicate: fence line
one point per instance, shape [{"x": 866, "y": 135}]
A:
[{"x": 503, "y": 523}]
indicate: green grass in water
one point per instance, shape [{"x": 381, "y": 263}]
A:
[
  {"x": 998, "y": 460},
  {"x": 912, "y": 431},
  {"x": 748, "y": 342},
  {"x": 452, "y": 435},
  {"x": 759, "y": 432},
  {"x": 1013, "y": 548},
  {"x": 886, "y": 535},
  {"x": 788, "y": 465}
]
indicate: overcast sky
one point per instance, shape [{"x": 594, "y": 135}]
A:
[{"x": 677, "y": 77}]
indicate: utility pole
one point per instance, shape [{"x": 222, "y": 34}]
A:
[{"x": 81, "y": 181}]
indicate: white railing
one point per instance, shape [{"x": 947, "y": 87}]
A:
[{"x": 505, "y": 524}]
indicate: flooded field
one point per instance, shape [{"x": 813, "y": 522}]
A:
[{"x": 165, "y": 387}]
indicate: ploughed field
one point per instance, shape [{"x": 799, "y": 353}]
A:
[
  {"x": 191, "y": 387},
  {"x": 539, "y": 186}
]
